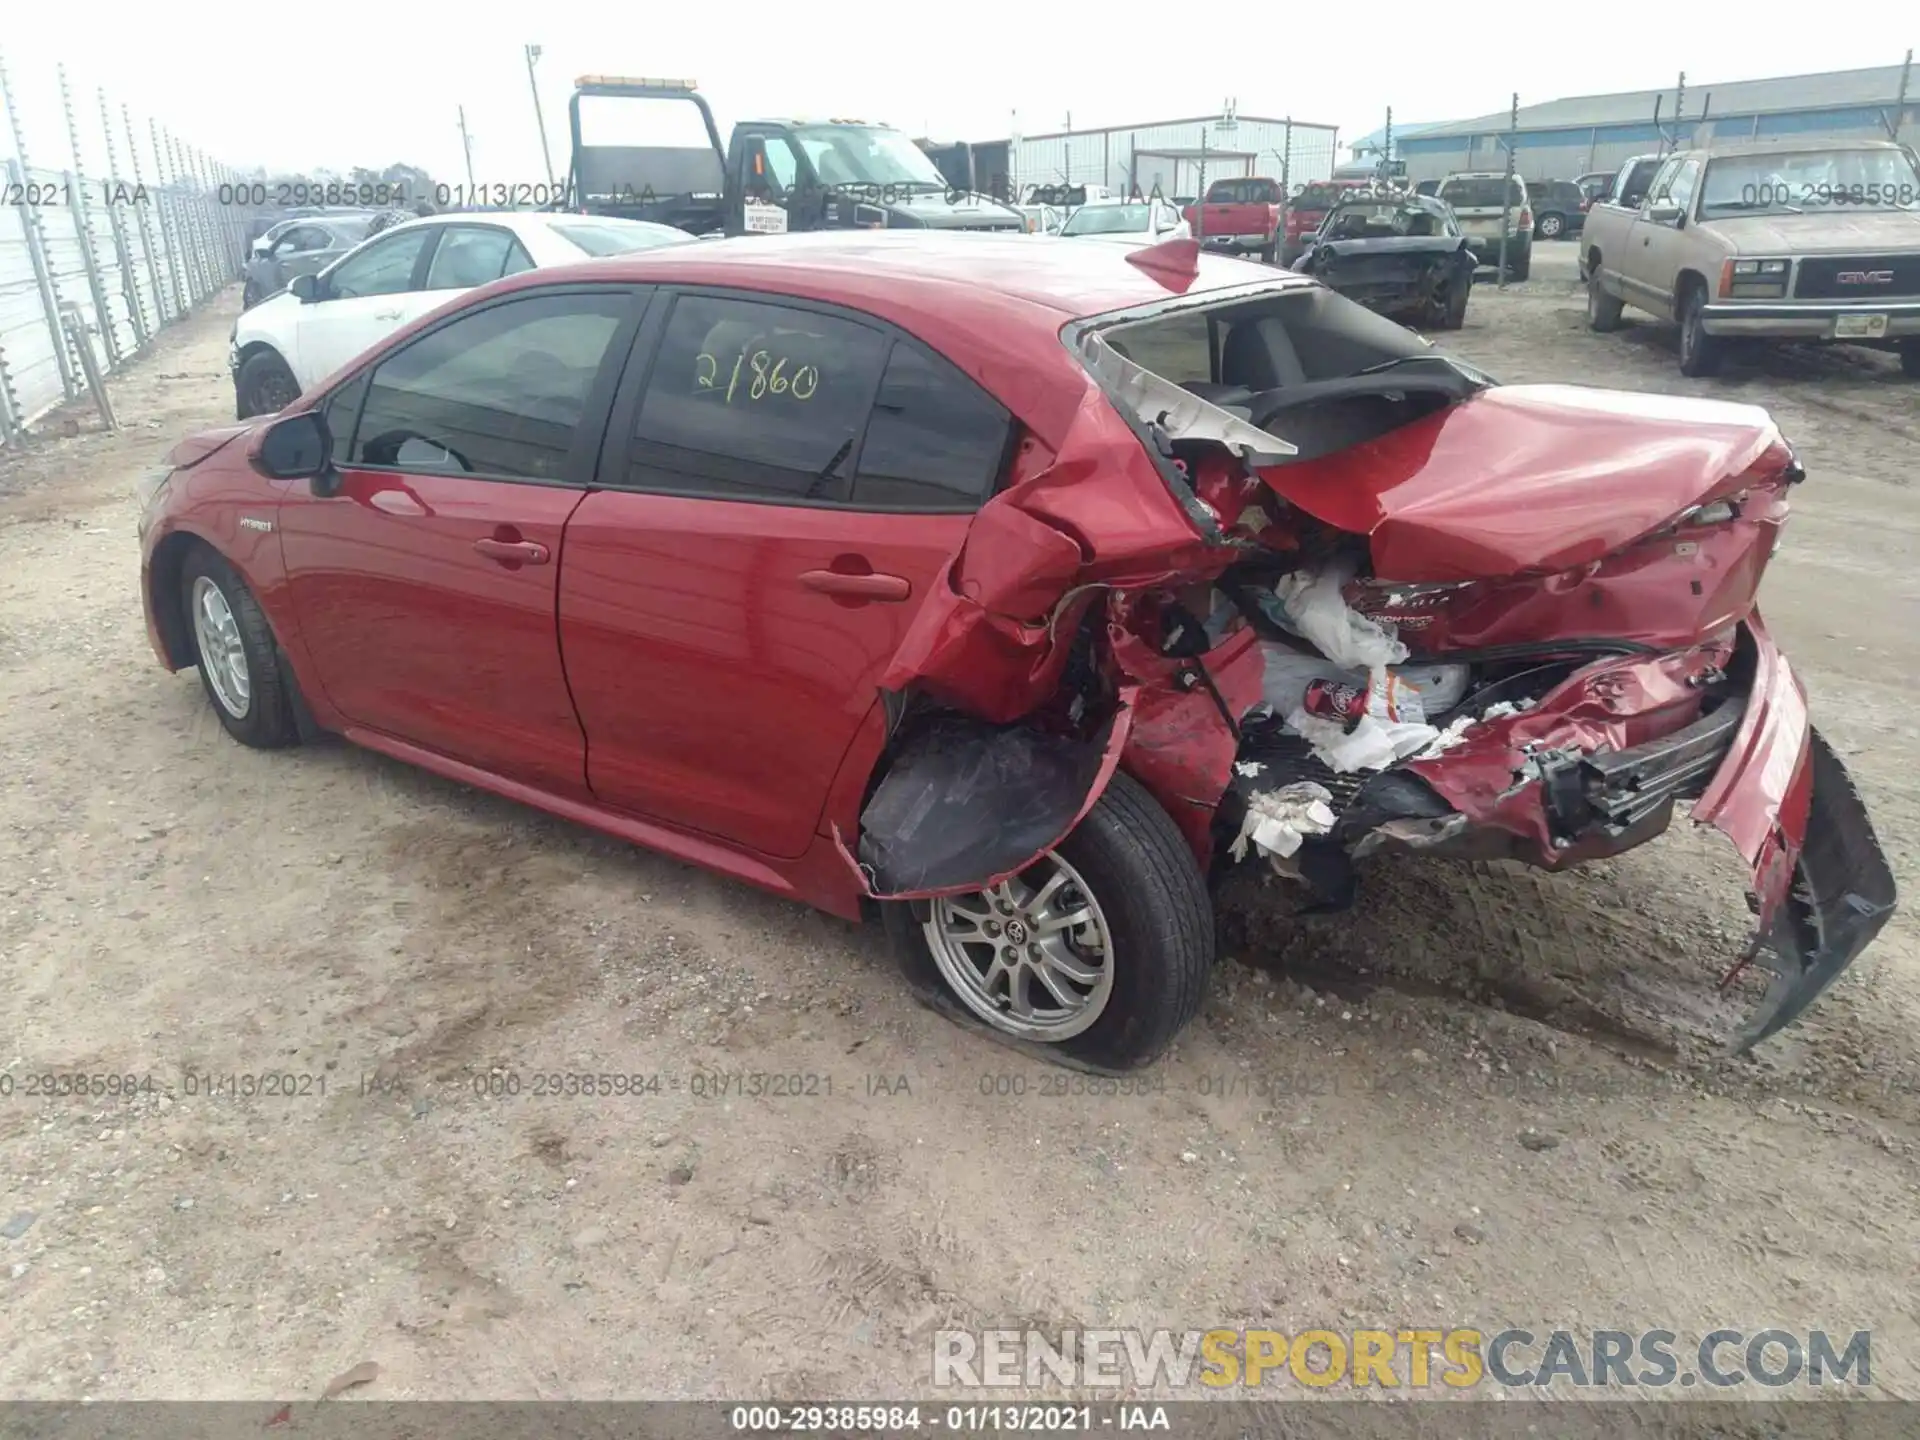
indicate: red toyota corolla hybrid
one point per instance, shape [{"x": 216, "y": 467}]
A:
[{"x": 1016, "y": 588}]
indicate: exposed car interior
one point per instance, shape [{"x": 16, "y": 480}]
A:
[{"x": 1307, "y": 364}]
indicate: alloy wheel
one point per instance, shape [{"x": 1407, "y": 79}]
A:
[
  {"x": 1033, "y": 956},
  {"x": 223, "y": 655}
]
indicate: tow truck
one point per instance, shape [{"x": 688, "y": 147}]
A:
[{"x": 771, "y": 177}]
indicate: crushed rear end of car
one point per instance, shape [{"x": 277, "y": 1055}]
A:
[{"x": 1324, "y": 610}]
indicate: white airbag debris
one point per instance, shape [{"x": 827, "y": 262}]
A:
[{"x": 1279, "y": 820}]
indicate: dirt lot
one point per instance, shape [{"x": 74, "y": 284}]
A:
[{"x": 1338, "y": 1140}]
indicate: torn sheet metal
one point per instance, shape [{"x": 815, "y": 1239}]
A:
[
  {"x": 1182, "y": 414},
  {"x": 964, "y": 805},
  {"x": 1279, "y": 821},
  {"x": 1182, "y": 748},
  {"x": 1524, "y": 478}
]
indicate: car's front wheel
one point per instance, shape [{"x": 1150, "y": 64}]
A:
[
  {"x": 239, "y": 664},
  {"x": 1699, "y": 351},
  {"x": 265, "y": 385},
  {"x": 1099, "y": 950},
  {"x": 1603, "y": 309}
]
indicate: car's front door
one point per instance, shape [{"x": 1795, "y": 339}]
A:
[
  {"x": 361, "y": 300},
  {"x": 775, "y": 503},
  {"x": 464, "y": 258},
  {"x": 424, "y": 589},
  {"x": 1656, "y": 245}
]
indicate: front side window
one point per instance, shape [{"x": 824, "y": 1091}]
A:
[
  {"x": 384, "y": 267},
  {"x": 750, "y": 400},
  {"x": 497, "y": 393}
]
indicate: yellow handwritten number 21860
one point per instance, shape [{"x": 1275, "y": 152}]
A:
[{"x": 766, "y": 374}]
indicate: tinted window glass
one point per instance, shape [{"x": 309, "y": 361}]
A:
[
  {"x": 499, "y": 392},
  {"x": 341, "y": 409},
  {"x": 383, "y": 268},
  {"x": 304, "y": 237},
  {"x": 517, "y": 260},
  {"x": 468, "y": 255},
  {"x": 753, "y": 400},
  {"x": 1483, "y": 192},
  {"x": 935, "y": 441}
]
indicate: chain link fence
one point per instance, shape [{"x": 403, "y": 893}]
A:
[{"x": 112, "y": 230}]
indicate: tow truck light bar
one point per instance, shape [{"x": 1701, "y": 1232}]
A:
[{"x": 651, "y": 83}]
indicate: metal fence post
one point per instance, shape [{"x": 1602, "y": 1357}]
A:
[
  {"x": 10, "y": 408},
  {"x": 148, "y": 243},
  {"x": 1506, "y": 190},
  {"x": 184, "y": 221},
  {"x": 169, "y": 222},
  {"x": 122, "y": 241},
  {"x": 43, "y": 275},
  {"x": 83, "y": 230}
]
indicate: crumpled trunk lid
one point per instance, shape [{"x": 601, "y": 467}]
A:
[{"x": 1526, "y": 479}]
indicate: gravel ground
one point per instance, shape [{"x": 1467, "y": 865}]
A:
[{"x": 1486, "y": 1097}]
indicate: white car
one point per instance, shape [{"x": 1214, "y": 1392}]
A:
[
  {"x": 1126, "y": 221},
  {"x": 284, "y": 345}
]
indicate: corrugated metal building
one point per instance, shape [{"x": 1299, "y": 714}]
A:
[
  {"x": 1565, "y": 138},
  {"x": 1173, "y": 154}
]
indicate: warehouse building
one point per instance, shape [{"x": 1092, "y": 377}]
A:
[
  {"x": 1179, "y": 156},
  {"x": 1564, "y": 138}
]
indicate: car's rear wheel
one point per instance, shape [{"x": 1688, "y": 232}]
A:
[
  {"x": 1550, "y": 227},
  {"x": 238, "y": 662},
  {"x": 265, "y": 384},
  {"x": 1603, "y": 310},
  {"x": 1699, "y": 352},
  {"x": 1099, "y": 950},
  {"x": 1520, "y": 266}
]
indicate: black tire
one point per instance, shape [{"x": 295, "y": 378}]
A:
[
  {"x": 249, "y": 297},
  {"x": 1268, "y": 253},
  {"x": 1700, "y": 353},
  {"x": 1142, "y": 875},
  {"x": 1520, "y": 266},
  {"x": 1603, "y": 310},
  {"x": 264, "y": 385},
  {"x": 1455, "y": 317},
  {"x": 266, "y": 719},
  {"x": 1910, "y": 359},
  {"x": 1550, "y": 226}
]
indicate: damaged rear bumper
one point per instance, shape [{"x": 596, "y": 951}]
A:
[{"x": 1596, "y": 768}]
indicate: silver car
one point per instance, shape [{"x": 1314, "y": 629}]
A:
[{"x": 304, "y": 246}]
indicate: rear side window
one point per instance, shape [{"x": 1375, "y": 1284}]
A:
[
  {"x": 755, "y": 401},
  {"x": 384, "y": 267},
  {"x": 469, "y": 255},
  {"x": 936, "y": 441},
  {"x": 497, "y": 393}
]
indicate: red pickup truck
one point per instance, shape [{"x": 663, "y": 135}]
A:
[{"x": 1239, "y": 215}]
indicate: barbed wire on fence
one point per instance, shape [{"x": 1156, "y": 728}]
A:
[{"x": 113, "y": 233}]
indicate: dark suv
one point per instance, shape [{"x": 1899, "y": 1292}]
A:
[{"x": 1559, "y": 208}]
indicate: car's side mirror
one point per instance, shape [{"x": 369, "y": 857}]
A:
[
  {"x": 300, "y": 447},
  {"x": 1664, "y": 213},
  {"x": 262, "y": 248},
  {"x": 305, "y": 288}
]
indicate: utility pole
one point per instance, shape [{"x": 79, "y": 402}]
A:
[
  {"x": 1385, "y": 169},
  {"x": 466, "y": 147},
  {"x": 539, "y": 115}
]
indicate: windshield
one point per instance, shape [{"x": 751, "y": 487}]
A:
[
  {"x": 1792, "y": 183},
  {"x": 866, "y": 155},
  {"x": 1483, "y": 192},
  {"x": 1107, "y": 220},
  {"x": 614, "y": 238},
  {"x": 1358, "y": 220}
]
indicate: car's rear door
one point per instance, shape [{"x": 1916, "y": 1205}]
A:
[
  {"x": 425, "y": 588},
  {"x": 782, "y": 485}
]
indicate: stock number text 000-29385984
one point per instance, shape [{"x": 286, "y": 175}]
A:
[{"x": 755, "y": 375}]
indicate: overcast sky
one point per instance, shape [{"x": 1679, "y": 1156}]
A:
[{"x": 299, "y": 86}]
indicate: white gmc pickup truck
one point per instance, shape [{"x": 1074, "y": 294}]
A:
[{"x": 1809, "y": 241}]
